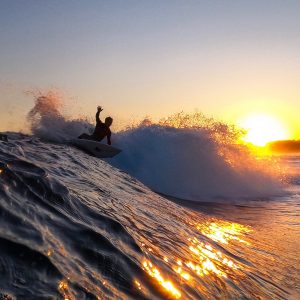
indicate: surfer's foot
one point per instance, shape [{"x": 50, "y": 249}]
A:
[{"x": 85, "y": 137}]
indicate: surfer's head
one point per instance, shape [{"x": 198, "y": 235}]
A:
[{"x": 108, "y": 121}]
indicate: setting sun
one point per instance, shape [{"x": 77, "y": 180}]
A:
[{"x": 262, "y": 129}]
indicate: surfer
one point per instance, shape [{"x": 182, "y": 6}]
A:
[{"x": 101, "y": 130}]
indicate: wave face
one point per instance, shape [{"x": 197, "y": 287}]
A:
[{"x": 75, "y": 227}]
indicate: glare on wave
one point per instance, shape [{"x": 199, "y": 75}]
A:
[{"x": 203, "y": 259}]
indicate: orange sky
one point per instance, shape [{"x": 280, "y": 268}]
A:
[{"x": 137, "y": 59}]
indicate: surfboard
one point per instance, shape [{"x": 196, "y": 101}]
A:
[{"x": 96, "y": 148}]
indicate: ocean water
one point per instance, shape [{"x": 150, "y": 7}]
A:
[{"x": 180, "y": 214}]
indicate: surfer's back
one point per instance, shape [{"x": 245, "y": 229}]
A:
[{"x": 101, "y": 131}]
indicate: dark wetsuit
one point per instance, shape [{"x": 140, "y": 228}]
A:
[{"x": 101, "y": 131}]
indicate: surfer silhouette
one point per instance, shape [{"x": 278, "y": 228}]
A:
[{"x": 101, "y": 130}]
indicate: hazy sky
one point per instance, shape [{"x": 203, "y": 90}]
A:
[{"x": 137, "y": 58}]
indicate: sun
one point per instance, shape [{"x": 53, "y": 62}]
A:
[{"x": 262, "y": 129}]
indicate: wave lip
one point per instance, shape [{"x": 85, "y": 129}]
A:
[{"x": 190, "y": 163}]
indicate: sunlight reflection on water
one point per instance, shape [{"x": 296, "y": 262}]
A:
[{"x": 203, "y": 258}]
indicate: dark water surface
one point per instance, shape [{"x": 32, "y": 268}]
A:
[{"x": 74, "y": 227}]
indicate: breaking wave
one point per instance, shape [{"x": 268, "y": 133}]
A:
[
  {"x": 75, "y": 227},
  {"x": 188, "y": 156}
]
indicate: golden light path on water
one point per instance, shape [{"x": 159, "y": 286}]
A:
[
  {"x": 224, "y": 232},
  {"x": 64, "y": 290},
  {"x": 204, "y": 259}
]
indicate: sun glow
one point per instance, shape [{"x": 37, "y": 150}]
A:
[{"x": 262, "y": 129}]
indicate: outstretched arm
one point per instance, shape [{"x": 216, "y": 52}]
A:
[{"x": 99, "y": 109}]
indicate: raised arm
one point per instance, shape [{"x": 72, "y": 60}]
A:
[{"x": 99, "y": 109}]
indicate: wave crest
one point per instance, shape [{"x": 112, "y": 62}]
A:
[
  {"x": 189, "y": 156},
  {"x": 194, "y": 157},
  {"x": 47, "y": 122}
]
